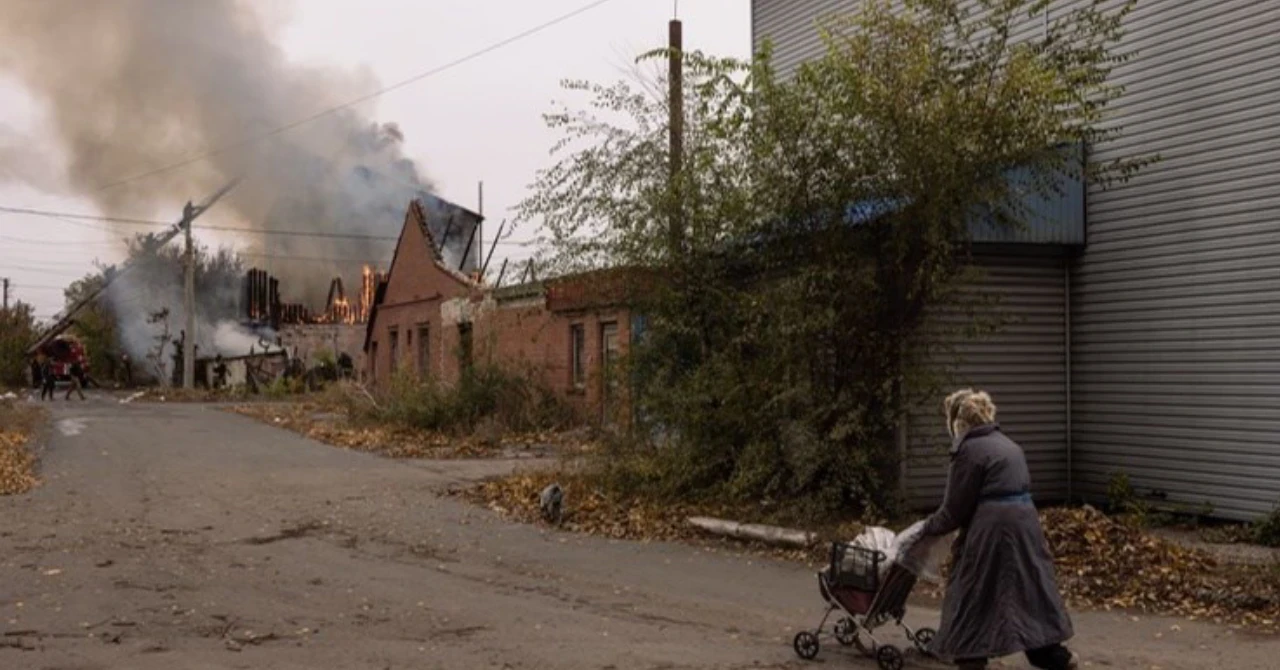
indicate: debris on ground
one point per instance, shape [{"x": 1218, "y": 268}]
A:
[
  {"x": 1109, "y": 564},
  {"x": 132, "y": 397},
  {"x": 589, "y": 509},
  {"x": 185, "y": 395},
  {"x": 18, "y": 424},
  {"x": 1101, "y": 562}
]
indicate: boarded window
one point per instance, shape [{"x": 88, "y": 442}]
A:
[
  {"x": 464, "y": 347},
  {"x": 394, "y": 336},
  {"x": 608, "y": 373},
  {"x": 578, "y": 355},
  {"x": 424, "y": 350}
]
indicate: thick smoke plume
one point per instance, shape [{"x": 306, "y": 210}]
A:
[{"x": 134, "y": 85}]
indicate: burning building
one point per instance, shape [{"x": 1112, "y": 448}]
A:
[{"x": 264, "y": 308}]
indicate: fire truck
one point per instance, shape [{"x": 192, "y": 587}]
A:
[{"x": 63, "y": 352}]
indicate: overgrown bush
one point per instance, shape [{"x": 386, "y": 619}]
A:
[
  {"x": 512, "y": 400},
  {"x": 17, "y": 331},
  {"x": 789, "y": 264},
  {"x": 1266, "y": 531}
]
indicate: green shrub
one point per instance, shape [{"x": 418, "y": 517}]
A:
[
  {"x": 283, "y": 387},
  {"x": 512, "y": 401},
  {"x": 1266, "y": 531}
]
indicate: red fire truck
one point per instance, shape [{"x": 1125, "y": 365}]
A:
[{"x": 64, "y": 351}]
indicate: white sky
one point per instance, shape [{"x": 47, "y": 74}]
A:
[{"x": 478, "y": 121}]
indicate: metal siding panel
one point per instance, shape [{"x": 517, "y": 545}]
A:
[
  {"x": 1172, "y": 267},
  {"x": 1023, "y": 366},
  {"x": 1176, "y": 300},
  {"x": 792, "y": 25}
]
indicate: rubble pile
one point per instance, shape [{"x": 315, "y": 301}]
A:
[
  {"x": 1109, "y": 564},
  {"x": 17, "y": 464}
]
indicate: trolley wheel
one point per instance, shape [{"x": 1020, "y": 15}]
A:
[
  {"x": 889, "y": 658},
  {"x": 923, "y": 638},
  {"x": 846, "y": 632},
  {"x": 806, "y": 645}
]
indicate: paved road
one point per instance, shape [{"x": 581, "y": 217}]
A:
[{"x": 163, "y": 534}]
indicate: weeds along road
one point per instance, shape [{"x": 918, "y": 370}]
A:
[{"x": 172, "y": 537}]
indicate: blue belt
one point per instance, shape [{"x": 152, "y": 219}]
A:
[{"x": 1023, "y": 497}]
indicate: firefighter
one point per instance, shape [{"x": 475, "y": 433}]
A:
[
  {"x": 46, "y": 379},
  {"x": 77, "y": 380},
  {"x": 128, "y": 370},
  {"x": 219, "y": 372}
]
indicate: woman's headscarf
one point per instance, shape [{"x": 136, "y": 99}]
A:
[{"x": 967, "y": 408}]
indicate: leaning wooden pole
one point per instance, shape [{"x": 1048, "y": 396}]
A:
[{"x": 675, "y": 159}]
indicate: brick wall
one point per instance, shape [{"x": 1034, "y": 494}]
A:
[
  {"x": 308, "y": 340},
  {"x": 417, "y": 285},
  {"x": 517, "y": 328}
]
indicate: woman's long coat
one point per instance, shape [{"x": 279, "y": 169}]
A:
[{"x": 1001, "y": 597}]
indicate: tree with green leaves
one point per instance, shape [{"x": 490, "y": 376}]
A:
[
  {"x": 823, "y": 217},
  {"x": 17, "y": 329}
]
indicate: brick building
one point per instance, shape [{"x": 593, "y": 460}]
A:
[{"x": 430, "y": 321}]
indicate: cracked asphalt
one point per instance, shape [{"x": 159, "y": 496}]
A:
[{"x": 178, "y": 536}]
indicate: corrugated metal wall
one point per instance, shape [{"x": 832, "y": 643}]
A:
[
  {"x": 1023, "y": 367},
  {"x": 1177, "y": 298},
  {"x": 1176, "y": 301},
  {"x": 792, "y": 25}
]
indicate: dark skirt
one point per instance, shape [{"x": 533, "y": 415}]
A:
[{"x": 1002, "y": 597}]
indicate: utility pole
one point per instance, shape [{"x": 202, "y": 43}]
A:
[
  {"x": 675, "y": 78},
  {"x": 6, "y": 294},
  {"x": 189, "y": 342},
  {"x": 480, "y": 211}
]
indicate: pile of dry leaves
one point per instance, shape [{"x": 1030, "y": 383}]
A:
[
  {"x": 17, "y": 465},
  {"x": 590, "y": 509},
  {"x": 326, "y": 423},
  {"x": 1105, "y": 563},
  {"x": 1101, "y": 562}
]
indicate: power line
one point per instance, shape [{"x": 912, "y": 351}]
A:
[
  {"x": 78, "y": 243},
  {"x": 233, "y": 229},
  {"x": 28, "y": 268},
  {"x": 37, "y": 287},
  {"x": 325, "y": 259},
  {"x": 84, "y": 217},
  {"x": 303, "y": 233},
  {"x": 364, "y": 98}
]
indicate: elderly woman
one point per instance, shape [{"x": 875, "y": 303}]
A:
[{"x": 1001, "y": 598}]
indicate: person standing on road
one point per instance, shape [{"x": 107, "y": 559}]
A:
[
  {"x": 77, "y": 380},
  {"x": 1002, "y": 597},
  {"x": 87, "y": 380},
  {"x": 128, "y": 370},
  {"x": 47, "y": 381}
]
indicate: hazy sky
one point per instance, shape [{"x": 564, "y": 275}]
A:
[{"x": 478, "y": 121}]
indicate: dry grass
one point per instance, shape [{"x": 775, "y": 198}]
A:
[
  {"x": 326, "y": 418},
  {"x": 19, "y": 423}
]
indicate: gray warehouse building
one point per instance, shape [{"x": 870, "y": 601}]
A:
[{"x": 1146, "y": 317}]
